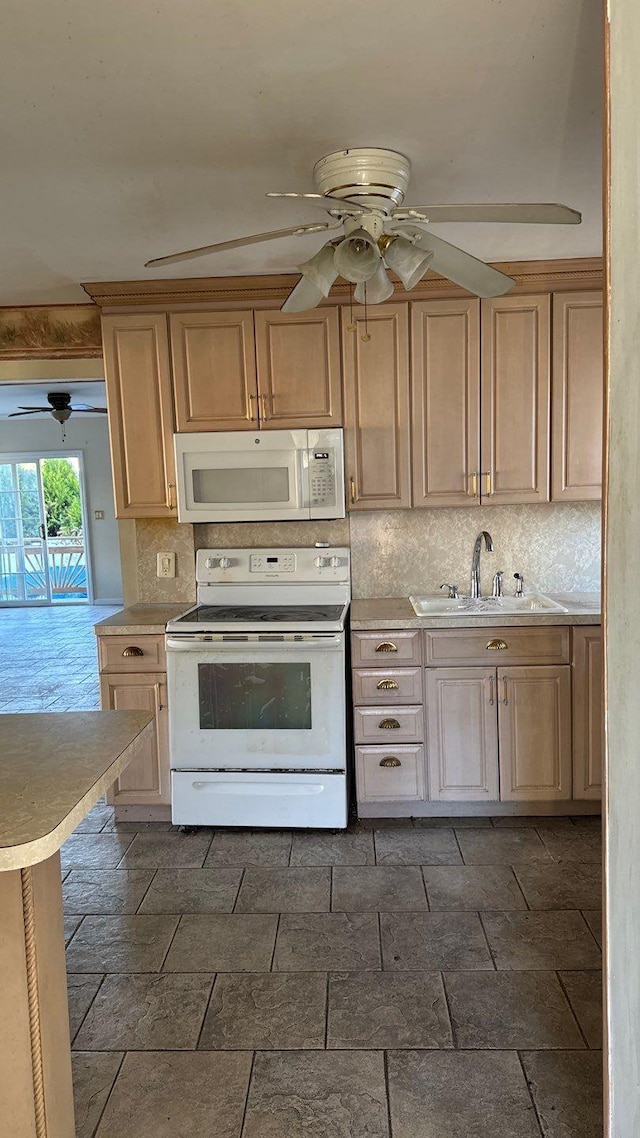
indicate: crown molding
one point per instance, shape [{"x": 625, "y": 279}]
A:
[{"x": 530, "y": 276}]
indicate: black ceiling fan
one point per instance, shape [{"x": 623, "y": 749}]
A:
[{"x": 60, "y": 407}]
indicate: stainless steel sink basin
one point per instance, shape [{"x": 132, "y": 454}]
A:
[{"x": 490, "y": 607}]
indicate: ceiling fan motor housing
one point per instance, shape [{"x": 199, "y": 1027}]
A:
[
  {"x": 59, "y": 400},
  {"x": 377, "y": 178}
]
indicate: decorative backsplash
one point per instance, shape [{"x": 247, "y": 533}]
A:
[
  {"x": 242, "y": 535},
  {"x": 157, "y": 535}
]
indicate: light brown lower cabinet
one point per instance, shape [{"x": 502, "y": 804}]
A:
[
  {"x": 146, "y": 782},
  {"x": 588, "y": 712},
  {"x": 534, "y": 733},
  {"x": 462, "y": 734}
]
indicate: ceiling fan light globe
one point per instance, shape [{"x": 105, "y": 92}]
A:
[
  {"x": 376, "y": 290},
  {"x": 407, "y": 261},
  {"x": 304, "y": 296},
  {"x": 358, "y": 257},
  {"x": 320, "y": 269}
]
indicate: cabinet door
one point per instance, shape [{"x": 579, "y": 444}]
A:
[
  {"x": 534, "y": 727},
  {"x": 578, "y": 397},
  {"x": 214, "y": 371},
  {"x": 138, "y": 380},
  {"x": 462, "y": 734},
  {"x": 298, "y": 358},
  {"x": 445, "y": 380},
  {"x": 147, "y": 780},
  {"x": 376, "y": 378},
  {"x": 515, "y": 395},
  {"x": 588, "y": 712}
]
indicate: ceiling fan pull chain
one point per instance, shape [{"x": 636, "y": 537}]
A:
[
  {"x": 351, "y": 326},
  {"x": 366, "y": 335}
]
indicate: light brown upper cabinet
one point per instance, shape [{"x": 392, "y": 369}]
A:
[
  {"x": 214, "y": 371},
  {"x": 138, "y": 382},
  {"x": 376, "y": 392},
  {"x": 236, "y": 371},
  {"x": 445, "y": 363},
  {"x": 298, "y": 358},
  {"x": 515, "y": 399},
  {"x": 578, "y": 397}
]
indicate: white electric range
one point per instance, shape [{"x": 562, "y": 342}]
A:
[{"x": 256, "y": 679}]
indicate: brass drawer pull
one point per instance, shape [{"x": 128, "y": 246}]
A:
[
  {"x": 386, "y": 646},
  {"x": 497, "y": 645},
  {"x": 387, "y": 685},
  {"x": 389, "y": 724},
  {"x": 473, "y": 478},
  {"x": 133, "y": 651},
  {"x": 390, "y": 761}
]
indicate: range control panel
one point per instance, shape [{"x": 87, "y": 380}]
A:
[
  {"x": 272, "y": 562},
  {"x": 313, "y": 565}
]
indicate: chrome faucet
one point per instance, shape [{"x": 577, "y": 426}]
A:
[{"x": 475, "y": 563}]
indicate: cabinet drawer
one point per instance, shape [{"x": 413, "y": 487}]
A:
[
  {"x": 387, "y": 685},
  {"x": 548, "y": 645},
  {"x": 384, "y": 649},
  {"x": 386, "y": 725},
  {"x": 132, "y": 653},
  {"x": 388, "y": 774}
]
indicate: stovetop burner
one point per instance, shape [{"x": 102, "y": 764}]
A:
[{"x": 233, "y": 614}]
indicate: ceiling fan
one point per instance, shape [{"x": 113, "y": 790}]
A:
[
  {"x": 362, "y": 190},
  {"x": 59, "y": 407}
]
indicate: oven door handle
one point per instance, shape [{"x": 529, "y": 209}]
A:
[{"x": 330, "y": 643}]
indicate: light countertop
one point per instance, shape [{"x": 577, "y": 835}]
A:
[
  {"x": 138, "y": 619},
  {"x": 54, "y": 768},
  {"x": 397, "y": 612}
]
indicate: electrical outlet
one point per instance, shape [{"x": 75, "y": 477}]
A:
[{"x": 166, "y": 565}]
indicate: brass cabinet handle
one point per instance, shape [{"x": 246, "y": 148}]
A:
[
  {"x": 263, "y": 404},
  {"x": 497, "y": 645},
  {"x": 250, "y": 415},
  {"x": 491, "y": 701},
  {"x": 387, "y": 685},
  {"x": 132, "y": 651},
  {"x": 386, "y": 646},
  {"x": 390, "y": 761},
  {"x": 160, "y": 706},
  {"x": 489, "y": 487},
  {"x": 473, "y": 478},
  {"x": 505, "y": 689},
  {"x": 352, "y": 489},
  {"x": 389, "y": 724},
  {"x": 170, "y": 502}
]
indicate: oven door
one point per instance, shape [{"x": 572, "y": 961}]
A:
[{"x": 256, "y": 703}]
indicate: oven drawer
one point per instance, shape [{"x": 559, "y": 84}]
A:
[
  {"x": 132, "y": 653},
  {"x": 381, "y": 649},
  {"x": 462, "y": 646},
  {"x": 390, "y": 774},
  {"x": 388, "y": 725},
  {"x": 388, "y": 685},
  {"x": 256, "y": 798}
]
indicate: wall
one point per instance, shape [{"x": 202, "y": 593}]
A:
[{"x": 91, "y": 437}]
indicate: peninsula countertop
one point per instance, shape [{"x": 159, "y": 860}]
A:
[
  {"x": 55, "y": 767},
  {"x": 379, "y": 613},
  {"x": 138, "y": 619}
]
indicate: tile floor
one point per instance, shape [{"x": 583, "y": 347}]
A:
[
  {"x": 397, "y": 981},
  {"x": 48, "y": 658}
]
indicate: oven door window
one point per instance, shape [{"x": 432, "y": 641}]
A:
[{"x": 254, "y": 697}]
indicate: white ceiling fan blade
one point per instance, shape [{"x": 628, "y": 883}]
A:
[
  {"x": 459, "y": 266},
  {"x": 239, "y": 242},
  {"x": 512, "y": 213}
]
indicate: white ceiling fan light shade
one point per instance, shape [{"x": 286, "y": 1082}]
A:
[
  {"x": 409, "y": 262},
  {"x": 358, "y": 257},
  {"x": 304, "y": 296},
  {"x": 376, "y": 290},
  {"x": 321, "y": 269}
]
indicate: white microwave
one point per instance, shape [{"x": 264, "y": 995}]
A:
[{"x": 256, "y": 476}]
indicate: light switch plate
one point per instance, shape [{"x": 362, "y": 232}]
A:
[{"x": 166, "y": 565}]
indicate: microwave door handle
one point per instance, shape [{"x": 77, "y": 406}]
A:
[{"x": 304, "y": 474}]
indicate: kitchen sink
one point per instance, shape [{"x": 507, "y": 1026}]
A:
[{"x": 491, "y": 607}]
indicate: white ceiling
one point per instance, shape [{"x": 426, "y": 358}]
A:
[
  {"x": 15, "y": 395},
  {"x": 132, "y": 130}
]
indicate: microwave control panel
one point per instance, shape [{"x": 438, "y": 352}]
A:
[{"x": 322, "y": 477}]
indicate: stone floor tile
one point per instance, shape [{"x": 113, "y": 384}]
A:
[
  {"x": 588, "y": 821},
  {"x": 317, "y": 1094},
  {"x": 501, "y": 847},
  {"x": 266, "y": 1011},
  {"x": 318, "y": 942},
  {"x": 155, "y": 1012},
  {"x": 71, "y": 923},
  {"x": 472, "y": 887},
  {"x": 100, "y": 816},
  {"x": 459, "y": 1094},
  {"x": 80, "y": 992},
  {"x": 105, "y": 891},
  {"x": 241, "y": 848},
  {"x": 94, "y": 851},
  {"x": 167, "y": 851},
  {"x": 567, "y": 1090},
  {"x": 546, "y": 940},
  {"x": 373, "y": 888},
  {"x": 577, "y": 885},
  {"x": 529, "y": 821},
  {"x": 223, "y": 942},
  {"x": 127, "y": 827},
  {"x": 584, "y": 990},
  {"x": 577, "y": 844},
  {"x": 594, "y": 920},
  {"x": 369, "y": 824},
  {"x": 94, "y": 1074},
  {"x": 121, "y": 944},
  {"x": 350, "y": 848},
  {"x": 192, "y": 891},
  {"x": 295, "y": 890},
  {"x": 422, "y": 846},
  {"x": 178, "y": 1094},
  {"x": 461, "y": 823},
  {"x": 385, "y": 1009},
  {"x": 510, "y": 1010},
  {"x": 425, "y": 942}
]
